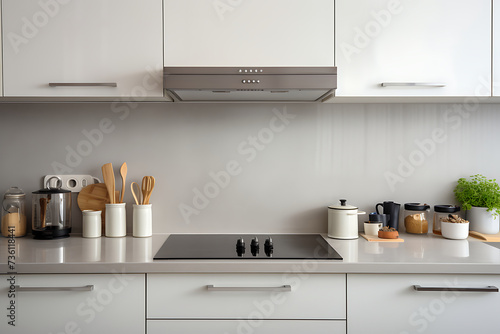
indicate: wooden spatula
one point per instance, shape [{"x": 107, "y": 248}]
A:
[
  {"x": 123, "y": 173},
  {"x": 109, "y": 180}
]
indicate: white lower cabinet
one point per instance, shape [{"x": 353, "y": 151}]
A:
[
  {"x": 73, "y": 303},
  {"x": 254, "y": 326},
  {"x": 246, "y": 303},
  {"x": 383, "y": 303}
]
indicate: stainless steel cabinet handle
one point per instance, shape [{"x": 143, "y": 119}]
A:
[
  {"x": 83, "y": 84},
  {"x": 412, "y": 84},
  {"x": 489, "y": 288},
  {"x": 284, "y": 288},
  {"x": 55, "y": 288}
]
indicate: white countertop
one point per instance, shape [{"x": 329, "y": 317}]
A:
[{"x": 417, "y": 254}]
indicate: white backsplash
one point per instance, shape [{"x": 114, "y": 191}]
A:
[{"x": 258, "y": 167}]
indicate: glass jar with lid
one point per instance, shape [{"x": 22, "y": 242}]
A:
[
  {"x": 13, "y": 213},
  {"x": 415, "y": 220},
  {"x": 442, "y": 211}
]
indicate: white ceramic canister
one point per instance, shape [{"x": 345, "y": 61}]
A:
[
  {"x": 343, "y": 221},
  {"x": 91, "y": 224},
  {"x": 115, "y": 223},
  {"x": 142, "y": 225}
]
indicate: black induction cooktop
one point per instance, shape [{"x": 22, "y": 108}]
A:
[{"x": 246, "y": 247}]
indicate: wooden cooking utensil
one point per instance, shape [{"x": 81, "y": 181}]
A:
[
  {"x": 109, "y": 180},
  {"x": 123, "y": 173},
  {"x": 148, "y": 183},
  {"x": 144, "y": 189},
  {"x": 152, "y": 185},
  {"x": 138, "y": 196}
]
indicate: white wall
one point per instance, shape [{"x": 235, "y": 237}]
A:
[{"x": 288, "y": 172}]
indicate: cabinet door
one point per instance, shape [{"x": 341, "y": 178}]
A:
[
  {"x": 496, "y": 48},
  {"x": 413, "y": 48},
  {"x": 249, "y": 33},
  {"x": 107, "y": 48},
  {"x": 390, "y": 304},
  {"x": 254, "y": 326},
  {"x": 1, "y": 62},
  {"x": 116, "y": 303}
]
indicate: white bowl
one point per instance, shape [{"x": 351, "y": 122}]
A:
[{"x": 455, "y": 230}]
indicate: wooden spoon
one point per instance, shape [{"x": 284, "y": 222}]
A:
[
  {"x": 123, "y": 173},
  {"x": 109, "y": 180}
]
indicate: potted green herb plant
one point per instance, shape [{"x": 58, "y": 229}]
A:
[{"x": 480, "y": 198}]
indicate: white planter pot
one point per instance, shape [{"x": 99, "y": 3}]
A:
[{"x": 482, "y": 221}]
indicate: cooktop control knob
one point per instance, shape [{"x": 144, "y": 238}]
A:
[
  {"x": 240, "y": 247},
  {"x": 254, "y": 246},
  {"x": 268, "y": 247}
]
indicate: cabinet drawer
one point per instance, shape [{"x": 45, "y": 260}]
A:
[
  {"x": 391, "y": 304},
  {"x": 311, "y": 296},
  {"x": 74, "y": 303},
  {"x": 254, "y": 326}
]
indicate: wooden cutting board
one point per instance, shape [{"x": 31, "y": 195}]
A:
[
  {"x": 375, "y": 238},
  {"x": 93, "y": 197},
  {"x": 485, "y": 237}
]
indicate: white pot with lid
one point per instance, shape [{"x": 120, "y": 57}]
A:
[{"x": 343, "y": 221}]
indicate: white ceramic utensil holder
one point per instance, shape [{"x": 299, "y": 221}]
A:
[
  {"x": 115, "y": 223},
  {"x": 142, "y": 220},
  {"x": 91, "y": 224}
]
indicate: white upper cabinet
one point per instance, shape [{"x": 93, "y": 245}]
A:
[
  {"x": 249, "y": 33},
  {"x": 413, "y": 48},
  {"x": 57, "y": 48},
  {"x": 496, "y": 48},
  {"x": 1, "y": 88}
]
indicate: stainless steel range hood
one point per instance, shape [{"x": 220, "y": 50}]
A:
[{"x": 250, "y": 84}]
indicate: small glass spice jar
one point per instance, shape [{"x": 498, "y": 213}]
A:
[
  {"x": 415, "y": 220},
  {"x": 13, "y": 213},
  {"x": 442, "y": 211}
]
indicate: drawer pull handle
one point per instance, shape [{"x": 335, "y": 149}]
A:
[
  {"x": 489, "y": 288},
  {"x": 83, "y": 84},
  {"x": 55, "y": 288},
  {"x": 412, "y": 84},
  {"x": 284, "y": 288}
]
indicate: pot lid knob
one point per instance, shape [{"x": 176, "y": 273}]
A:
[{"x": 342, "y": 202}]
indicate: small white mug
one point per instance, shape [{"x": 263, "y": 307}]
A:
[
  {"x": 91, "y": 224},
  {"x": 142, "y": 225},
  {"x": 372, "y": 228},
  {"x": 115, "y": 224}
]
